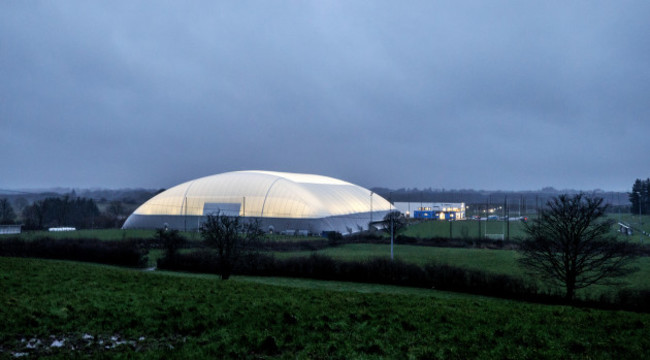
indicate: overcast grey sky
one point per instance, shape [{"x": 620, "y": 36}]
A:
[{"x": 512, "y": 95}]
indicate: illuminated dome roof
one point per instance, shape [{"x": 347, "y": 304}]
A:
[{"x": 263, "y": 195}]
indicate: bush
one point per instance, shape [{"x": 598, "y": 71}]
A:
[
  {"x": 170, "y": 240},
  {"x": 635, "y": 300},
  {"x": 334, "y": 238}
]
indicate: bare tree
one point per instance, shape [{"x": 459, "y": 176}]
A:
[
  {"x": 570, "y": 245},
  {"x": 7, "y": 214},
  {"x": 232, "y": 239}
]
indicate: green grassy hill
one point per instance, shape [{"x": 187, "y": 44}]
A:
[
  {"x": 494, "y": 261},
  {"x": 62, "y": 310}
]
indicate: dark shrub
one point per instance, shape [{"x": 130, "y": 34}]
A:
[
  {"x": 334, "y": 238},
  {"x": 123, "y": 252},
  {"x": 170, "y": 240},
  {"x": 635, "y": 300}
]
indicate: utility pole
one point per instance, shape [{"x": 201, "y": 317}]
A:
[
  {"x": 508, "y": 220},
  {"x": 487, "y": 216},
  {"x": 618, "y": 205},
  {"x": 370, "y": 224},
  {"x": 505, "y": 218},
  {"x": 640, "y": 221},
  {"x": 390, "y": 213},
  {"x": 421, "y": 199},
  {"x": 479, "y": 221},
  {"x": 451, "y": 234}
]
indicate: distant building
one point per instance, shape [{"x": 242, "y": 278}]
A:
[
  {"x": 62, "y": 228},
  {"x": 10, "y": 229},
  {"x": 432, "y": 210}
]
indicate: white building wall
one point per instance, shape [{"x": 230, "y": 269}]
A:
[{"x": 10, "y": 229}]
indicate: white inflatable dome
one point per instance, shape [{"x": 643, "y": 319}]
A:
[{"x": 283, "y": 202}]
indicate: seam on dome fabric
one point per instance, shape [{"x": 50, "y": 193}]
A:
[
  {"x": 267, "y": 194},
  {"x": 184, "y": 202}
]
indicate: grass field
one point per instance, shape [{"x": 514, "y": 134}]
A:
[
  {"x": 463, "y": 229},
  {"x": 480, "y": 259},
  {"x": 470, "y": 228},
  {"x": 495, "y": 261},
  {"x": 62, "y": 310},
  {"x": 635, "y": 221}
]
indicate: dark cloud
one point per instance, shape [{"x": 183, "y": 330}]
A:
[{"x": 495, "y": 95}]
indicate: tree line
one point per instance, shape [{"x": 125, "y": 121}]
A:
[
  {"x": 67, "y": 210},
  {"x": 61, "y": 211},
  {"x": 640, "y": 196},
  {"x": 7, "y": 214}
]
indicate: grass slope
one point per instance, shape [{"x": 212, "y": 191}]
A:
[
  {"x": 116, "y": 313},
  {"x": 495, "y": 261},
  {"x": 501, "y": 261}
]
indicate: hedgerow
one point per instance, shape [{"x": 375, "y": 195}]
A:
[
  {"x": 122, "y": 252},
  {"x": 397, "y": 272}
]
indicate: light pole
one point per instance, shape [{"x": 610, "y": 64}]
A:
[
  {"x": 369, "y": 225},
  {"x": 640, "y": 222},
  {"x": 390, "y": 214}
]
